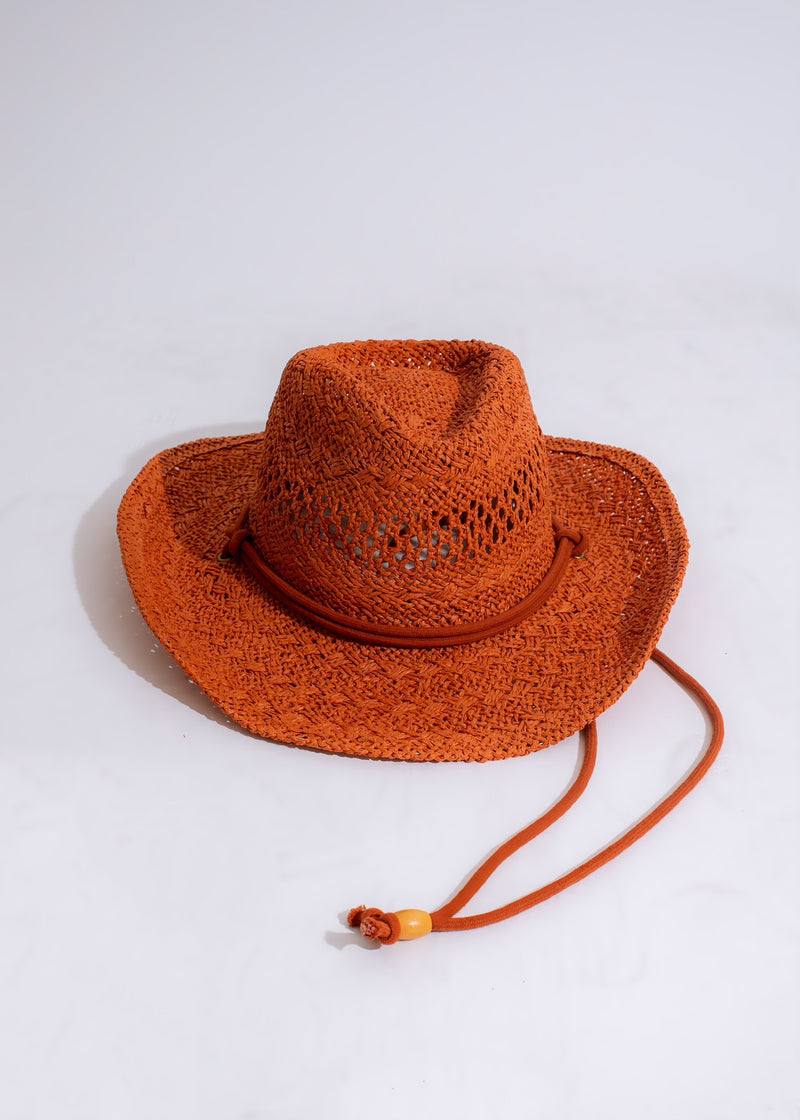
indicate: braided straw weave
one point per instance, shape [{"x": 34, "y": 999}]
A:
[{"x": 405, "y": 483}]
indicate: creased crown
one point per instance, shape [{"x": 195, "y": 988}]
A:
[{"x": 405, "y": 482}]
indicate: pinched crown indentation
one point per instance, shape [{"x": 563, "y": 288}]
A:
[{"x": 408, "y": 485}]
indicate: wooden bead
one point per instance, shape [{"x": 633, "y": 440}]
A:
[{"x": 413, "y": 923}]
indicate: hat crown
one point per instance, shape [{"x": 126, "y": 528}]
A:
[{"x": 405, "y": 482}]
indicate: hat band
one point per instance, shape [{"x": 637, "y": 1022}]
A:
[{"x": 569, "y": 543}]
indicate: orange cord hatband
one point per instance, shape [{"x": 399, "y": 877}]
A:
[{"x": 569, "y": 543}]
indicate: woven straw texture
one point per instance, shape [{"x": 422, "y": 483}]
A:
[{"x": 405, "y": 483}]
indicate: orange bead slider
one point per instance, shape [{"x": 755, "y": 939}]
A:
[{"x": 413, "y": 924}]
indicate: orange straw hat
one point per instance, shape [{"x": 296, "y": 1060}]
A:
[{"x": 403, "y": 566}]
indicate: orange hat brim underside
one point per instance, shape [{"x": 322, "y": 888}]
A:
[{"x": 286, "y": 680}]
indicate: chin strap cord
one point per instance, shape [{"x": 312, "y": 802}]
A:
[{"x": 406, "y": 925}]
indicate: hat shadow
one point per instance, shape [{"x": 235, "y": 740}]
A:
[{"x": 106, "y": 595}]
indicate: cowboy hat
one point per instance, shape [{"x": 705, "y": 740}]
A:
[{"x": 402, "y": 565}]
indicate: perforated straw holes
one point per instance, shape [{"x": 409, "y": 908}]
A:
[{"x": 407, "y": 543}]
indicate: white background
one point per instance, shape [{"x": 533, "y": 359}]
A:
[{"x": 191, "y": 193}]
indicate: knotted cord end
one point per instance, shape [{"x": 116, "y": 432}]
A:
[
  {"x": 374, "y": 924},
  {"x": 405, "y": 925},
  {"x": 235, "y": 541},
  {"x": 237, "y": 533},
  {"x": 579, "y": 538}
]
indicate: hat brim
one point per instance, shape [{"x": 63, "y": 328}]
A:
[{"x": 286, "y": 680}]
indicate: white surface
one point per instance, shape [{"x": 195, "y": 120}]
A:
[{"x": 191, "y": 193}]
